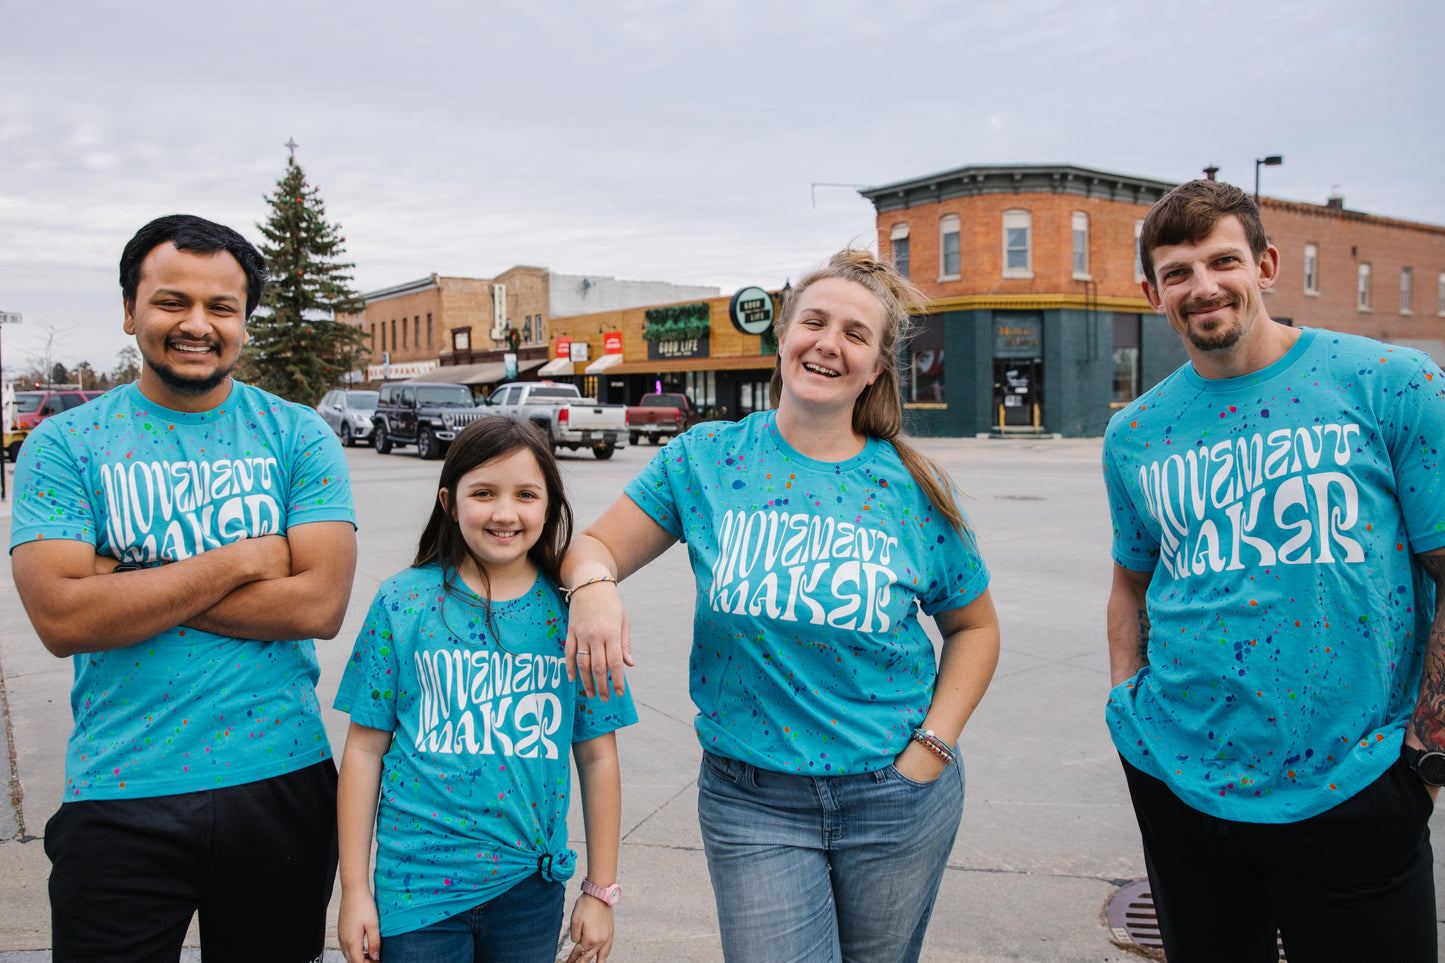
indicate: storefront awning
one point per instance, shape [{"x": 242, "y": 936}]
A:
[
  {"x": 555, "y": 367},
  {"x": 750, "y": 363},
  {"x": 603, "y": 363},
  {"x": 486, "y": 373}
]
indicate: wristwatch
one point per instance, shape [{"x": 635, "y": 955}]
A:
[
  {"x": 607, "y": 894},
  {"x": 1428, "y": 764}
]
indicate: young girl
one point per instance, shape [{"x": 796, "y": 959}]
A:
[{"x": 461, "y": 713}]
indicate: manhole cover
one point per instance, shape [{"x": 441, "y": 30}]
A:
[{"x": 1132, "y": 923}]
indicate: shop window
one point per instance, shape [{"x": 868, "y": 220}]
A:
[
  {"x": 1126, "y": 359},
  {"x": 1138, "y": 257},
  {"x": 948, "y": 248},
  {"x": 1407, "y": 281},
  {"x": 1312, "y": 268},
  {"x": 701, "y": 388},
  {"x": 899, "y": 237},
  {"x": 753, "y": 396},
  {"x": 1018, "y": 244},
  {"x": 923, "y": 381},
  {"x": 1081, "y": 246},
  {"x": 1362, "y": 296}
]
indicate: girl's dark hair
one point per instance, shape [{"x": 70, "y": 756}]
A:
[{"x": 482, "y": 441}]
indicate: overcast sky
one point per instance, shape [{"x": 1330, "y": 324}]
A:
[{"x": 670, "y": 141}]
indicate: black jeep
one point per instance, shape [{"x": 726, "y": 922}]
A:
[{"x": 425, "y": 414}]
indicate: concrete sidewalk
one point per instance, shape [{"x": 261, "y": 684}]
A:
[{"x": 1047, "y": 832}]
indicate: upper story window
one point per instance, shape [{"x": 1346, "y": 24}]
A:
[
  {"x": 1442, "y": 294},
  {"x": 899, "y": 239},
  {"x": 1018, "y": 244},
  {"x": 1407, "y": 282},
  {"x": 1312, "y": 269},
  {"x": 948, "y": 250},
  {"x": 1081, "y": 245},
  {"x": 1363, "y": 289},
  {"x": 1138, "y": 256}
]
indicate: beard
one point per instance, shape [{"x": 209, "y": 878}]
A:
[
  {"x": 183, "y": 385},
  {"x": 1218, "y": 337}
]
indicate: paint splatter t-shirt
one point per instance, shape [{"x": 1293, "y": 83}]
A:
[
  {"x": 1280, "y": 513},
  {"x": 476, "y": 784},
  {"x": 807, "y": 652},
  {"x": 185, "y": 710}
]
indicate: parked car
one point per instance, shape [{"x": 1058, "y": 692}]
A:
[
  {"x": 569, "y": 420},
  {"x": 33, "y": 407},
  {"x": 423, "y": 413},
  {"x": 659, "y": 416},
  {"x": 349, "y": 411}
]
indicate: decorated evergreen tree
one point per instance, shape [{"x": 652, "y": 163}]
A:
[{"x": 298, "y": 350}]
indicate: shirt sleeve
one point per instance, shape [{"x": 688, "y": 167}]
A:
[
  {"x": 593, "y": 717},
  {"x": 962, "y": 576},
  {"x": 1419, "y": 431},
  {"x": 654, "y": 488},
  {"x": 320, "y": 482},
  {"x": 1134, "y": 546},
  {"x": 368, "y": 684},
  {"x": 50, "y": 499}
]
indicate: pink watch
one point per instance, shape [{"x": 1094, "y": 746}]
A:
[{"x": 607, "y": 894}]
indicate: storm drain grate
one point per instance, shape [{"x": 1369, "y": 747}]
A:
[{"x": 1133, "y": 923}]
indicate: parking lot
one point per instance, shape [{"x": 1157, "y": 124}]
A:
[{"x": 1047, "y": 831}]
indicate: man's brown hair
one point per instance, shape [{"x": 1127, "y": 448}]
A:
[{"x": 1188, "y": 213}]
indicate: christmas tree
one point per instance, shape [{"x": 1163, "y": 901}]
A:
[{"x": 297, "y": 349}]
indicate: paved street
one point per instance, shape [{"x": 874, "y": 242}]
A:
[{"x": 1047, "y": 830}]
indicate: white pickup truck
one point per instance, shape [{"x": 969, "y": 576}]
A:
[{"x": 569, "y": 420}]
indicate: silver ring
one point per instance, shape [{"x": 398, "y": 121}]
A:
[{"x": 584, "y": 652}]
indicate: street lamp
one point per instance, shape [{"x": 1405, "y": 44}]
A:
[{"x": 1273, "y": 160}]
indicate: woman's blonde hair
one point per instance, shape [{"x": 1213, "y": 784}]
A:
[{"x": 878, "y": 412}]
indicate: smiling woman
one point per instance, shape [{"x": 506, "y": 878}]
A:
[{"x": 816, "y": 533}]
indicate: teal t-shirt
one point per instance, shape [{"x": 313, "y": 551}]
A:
[
  {"x": 1280, "y": 513},
  {"x": 807, "y": 652},
  {"x": 185, "y": 710},
  {"x": 476, "y": 784}
]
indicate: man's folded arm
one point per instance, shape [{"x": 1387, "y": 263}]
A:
[
  {"x": 76, "y": 609},
  {"x": 309, "y": 603}
]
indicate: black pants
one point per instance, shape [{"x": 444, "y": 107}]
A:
[
  {"x": 257, "y": 861},
  {"x": 1354, "y": 883}
]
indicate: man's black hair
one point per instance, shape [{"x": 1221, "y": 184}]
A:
[{"x": 190, "y": 233}]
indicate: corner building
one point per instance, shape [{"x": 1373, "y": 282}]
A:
[{"x": 1037, "y": 322}]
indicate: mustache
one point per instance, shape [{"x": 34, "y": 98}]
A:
[{"x": 1195, "y": 306}]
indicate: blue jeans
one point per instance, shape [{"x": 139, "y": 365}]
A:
[
  {"x": 810, "y": 869},
  {"x": 523, "y": 925}
]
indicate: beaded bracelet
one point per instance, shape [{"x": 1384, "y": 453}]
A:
[
  {"x": 935, "y": 745},
  {"x": 568, "y": 593}
]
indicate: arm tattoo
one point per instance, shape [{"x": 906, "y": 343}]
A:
[{"x": 1428, "y": 722}]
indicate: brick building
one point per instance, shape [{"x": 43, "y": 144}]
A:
[
  {"x": 454, "y": 328},
  {"x": 1034, "y": 277}
]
